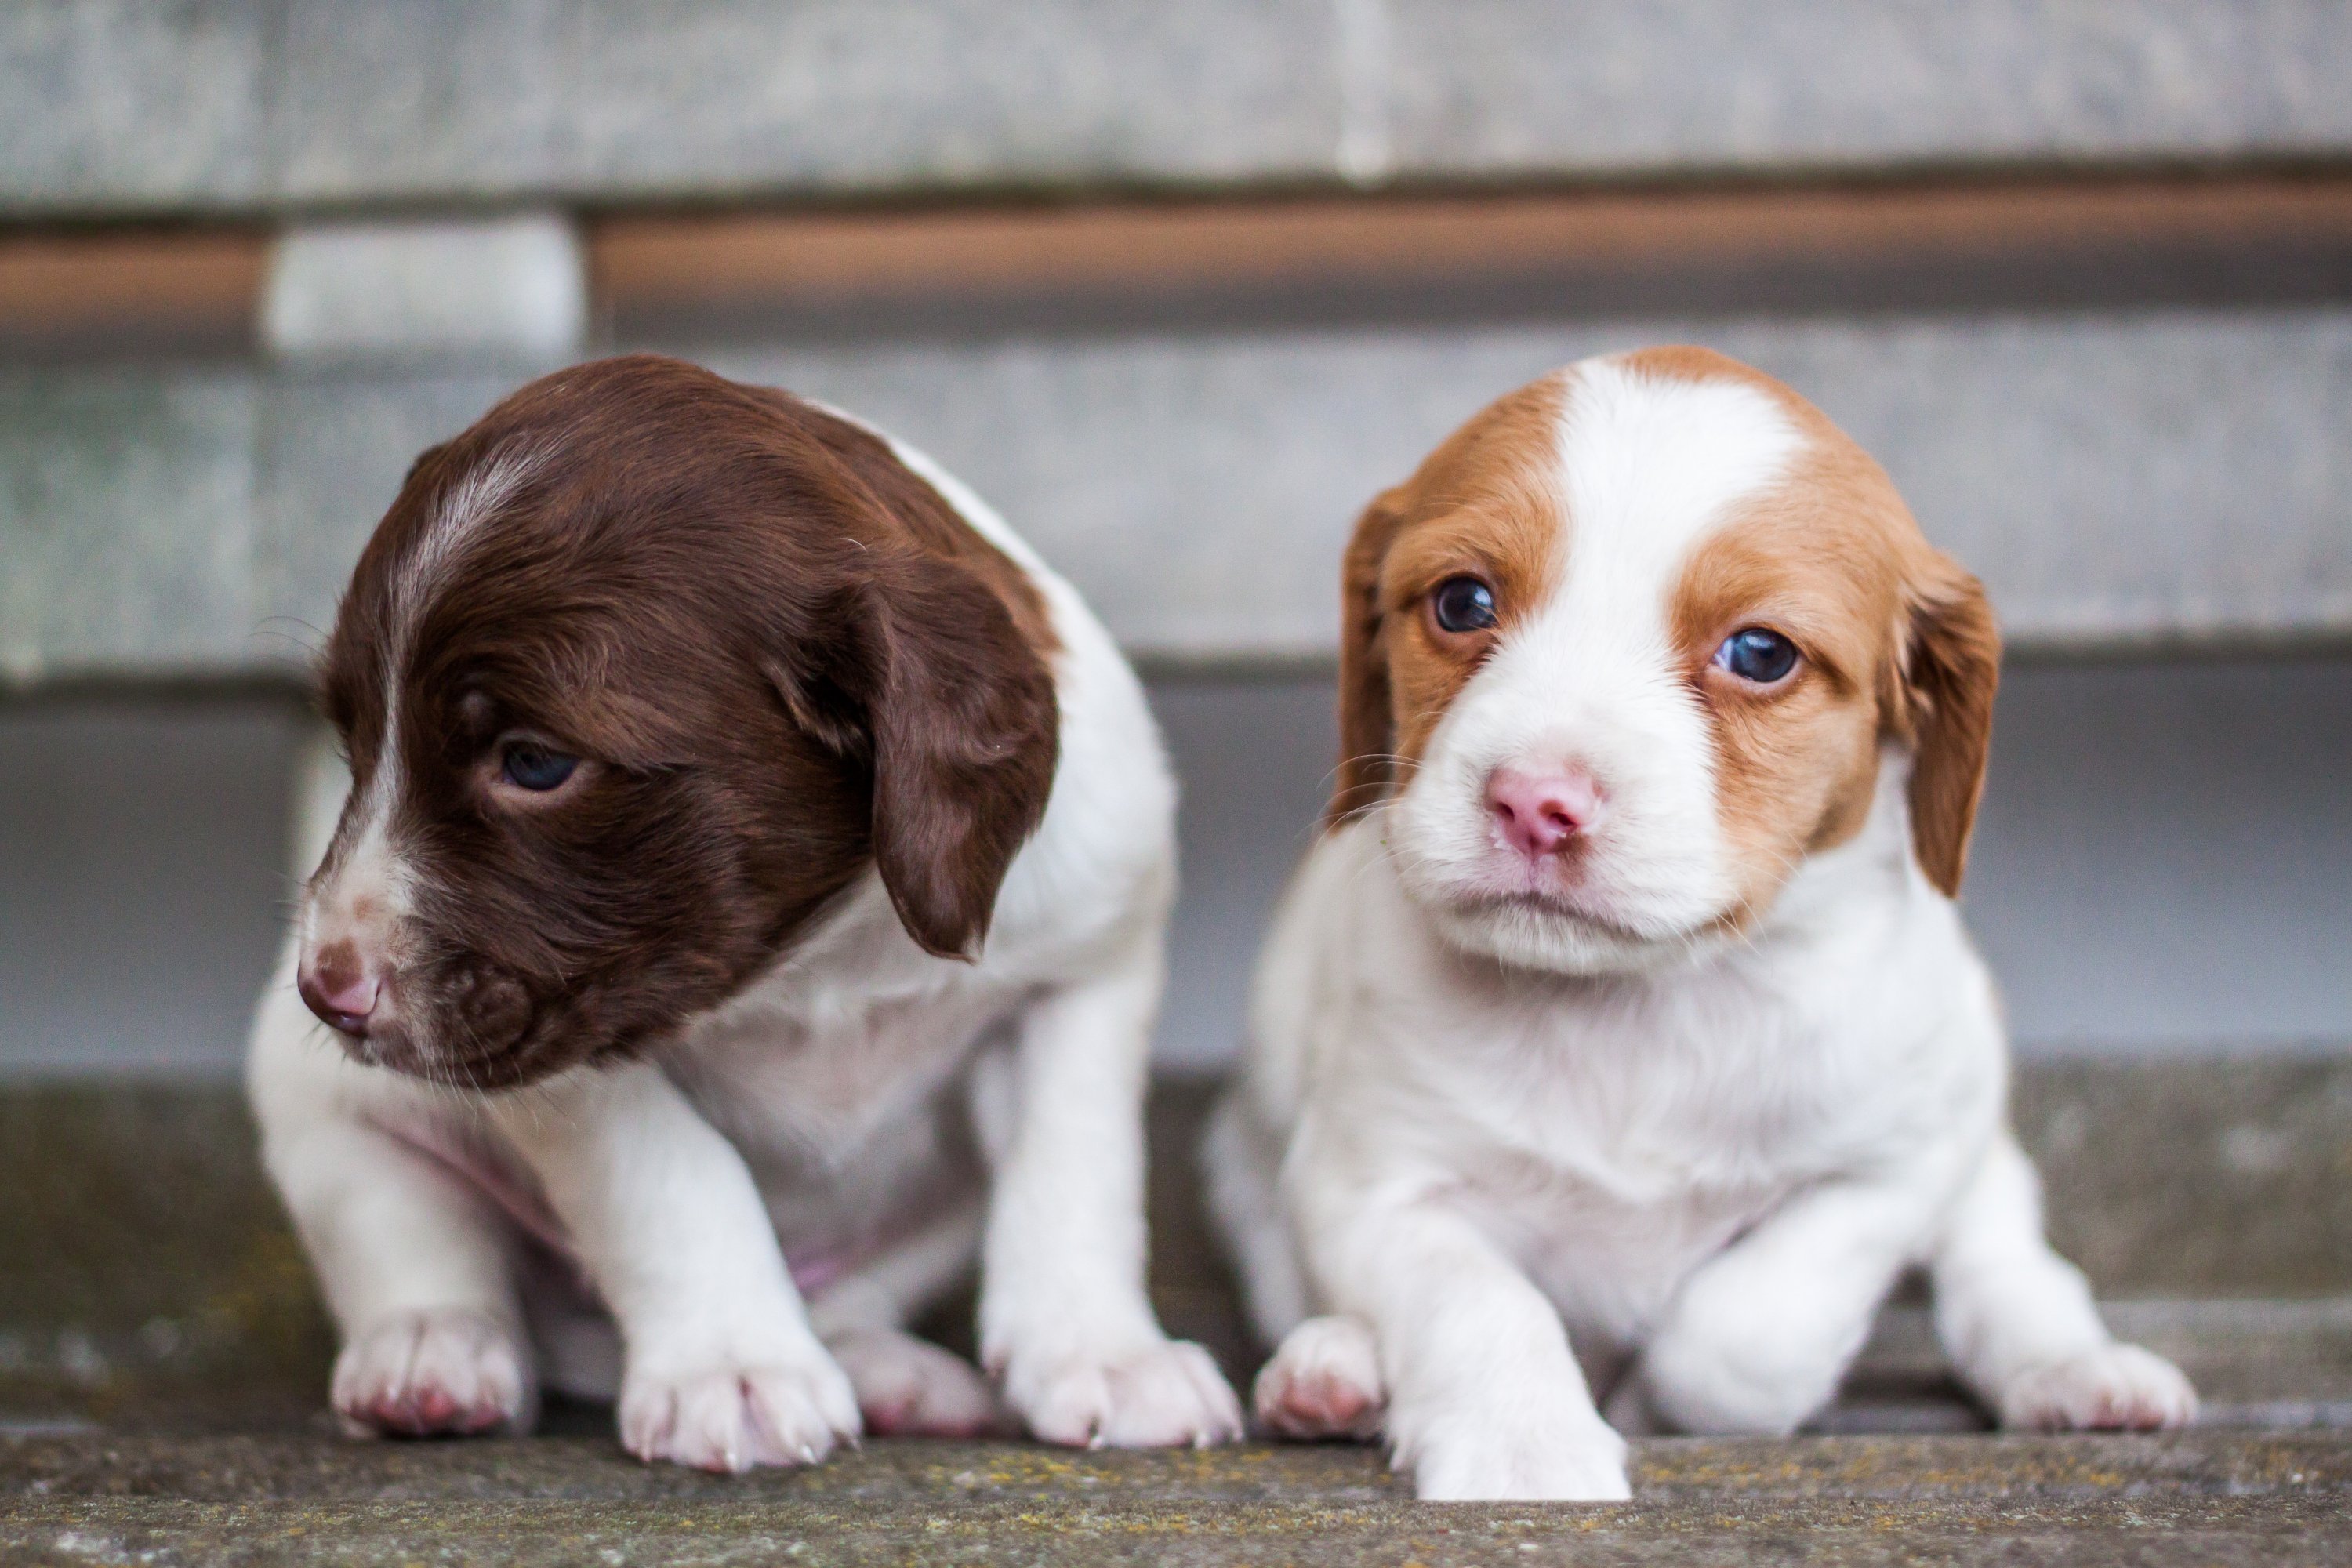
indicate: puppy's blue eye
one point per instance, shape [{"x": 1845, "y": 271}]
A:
[
  {"x": 1758, "y": 655},
  {"x": 536, "y": 768},
  {"x": 1462, "y": 604}
]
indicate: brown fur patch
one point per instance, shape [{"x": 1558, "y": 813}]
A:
[
  {"x": 1484, "y": 504},
  {"x": 1895, "y": 640},
  {"x": 785, "y": 657}
]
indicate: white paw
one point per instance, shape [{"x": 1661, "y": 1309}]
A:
[
  {"x": 1151, "y": 1394},
  {"x": 734, "y": 1411},
  {"x": 908, "y": 1387},
  {"x": 1323, "y": 1382},
  {"x": 1464, "y": 1459},
  {"x": 2115, "y": 1386},
  {"x": 419, "y": 1374}
]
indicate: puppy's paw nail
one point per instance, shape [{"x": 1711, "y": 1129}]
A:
[
  {"x": 444, "y": 1373},
  {"x": 1156, "y": 1393},
  {"x": 732, "y": 1413},
  {"x": 2115, "y": 1388}
]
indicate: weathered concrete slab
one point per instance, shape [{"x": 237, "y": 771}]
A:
[
  {"x": 161, "y": 1358},
  {"x": 129, "y": 105},
  {"x": 2180, "y": 476},
  {"x": 2217, "y": 1178},
  {"x": 126, "y": 520},
  {"x": 110, "y": 108},
  {"x": 296, "y": 1466},
  {"x": 2192, "y": 1498},
  {"x": 1524, "y": 86}
]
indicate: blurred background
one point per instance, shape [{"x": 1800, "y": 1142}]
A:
[{"x": 1179, "y": 286}]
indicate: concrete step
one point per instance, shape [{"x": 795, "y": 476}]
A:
[
  {"x": 2192, "y": 1497},
  {"x": 2120, "y": 479},
  {"x": 269, "y": 105},
  {"x": 163, "y": 1361}
]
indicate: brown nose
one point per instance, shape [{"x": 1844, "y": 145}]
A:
[{"x": 337, "y": 985}]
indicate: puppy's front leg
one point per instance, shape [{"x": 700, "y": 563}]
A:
[
  {"x": 2020, "y": 1324},
  {"x": 1485, "y": 1400},
  {"x": 1064, "y": 1319},
  {"x": 1759, "y": 1335},
  {"x": 721, "y": 1370},
  {"x": 414, "y": 1266}
]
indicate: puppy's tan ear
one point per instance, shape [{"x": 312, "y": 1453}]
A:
[
  {"x": 1367, "y": 715},
  {"x": 1948, "y": 653},
  {"x": 964, "y": 731}
]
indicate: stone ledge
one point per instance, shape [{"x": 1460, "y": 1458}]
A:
[
  {"x": 315, "y": 1465},
  {"x": 2175, "y": 1500},
  {"x": 161, "y": 1358}
]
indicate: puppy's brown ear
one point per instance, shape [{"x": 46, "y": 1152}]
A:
[
  {"x": 964, "y": 731},
  {"x": 1948, "y": 669},
  {"x": 1367, "y": 708}
]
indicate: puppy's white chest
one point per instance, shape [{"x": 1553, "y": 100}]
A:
[
  {"x": 816, "y": 1086},
  {"x": 1613, "y": 1152},
  {"x": 1610, "y": 1234}
]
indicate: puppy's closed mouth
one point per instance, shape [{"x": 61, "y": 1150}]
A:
[{"x": 1552, "y": 906}]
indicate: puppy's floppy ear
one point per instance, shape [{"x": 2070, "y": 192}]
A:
[
  {"x": 963, "y": 731},
  {"x": 1947, "y": 652},
  {"x": 1367, "y": 707}
]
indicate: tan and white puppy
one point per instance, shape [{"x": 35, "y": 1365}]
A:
[
  {"x": 1619, "y": 1040},
  {"x": 745, "y": 918}
]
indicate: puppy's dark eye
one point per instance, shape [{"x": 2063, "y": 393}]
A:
[
  {"x": 1462, "y": 604},
  {"x": 1758, "y": 655},
  {"x": 535, "y": 768}
]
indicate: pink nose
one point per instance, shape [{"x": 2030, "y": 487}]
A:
[
  {"x": 339, "y": 987},
  {"x": 1537, "y": 813}
]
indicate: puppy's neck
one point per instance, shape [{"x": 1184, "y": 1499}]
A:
[{"x": 1864, "y": 883}]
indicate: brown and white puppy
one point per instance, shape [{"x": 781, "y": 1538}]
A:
[
  {"x": 746, "y": 912},
  {"x": 1620, "y": 1036}
]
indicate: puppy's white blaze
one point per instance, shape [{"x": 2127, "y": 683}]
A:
[
  {"x": 1650, "y": 466},
  {"x": 374, "y": 873},
  {"x": 486, "y": 487},
  {"x": 1647, "y": 468},
  {"x": 372, "y": 890}
]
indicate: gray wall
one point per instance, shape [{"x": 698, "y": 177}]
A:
[
  {"x": 2164, "y": 862},
  {"x": 142, "y": 873}
]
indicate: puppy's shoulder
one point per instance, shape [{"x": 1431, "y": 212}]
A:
[{"x": 1342, "y": 940}]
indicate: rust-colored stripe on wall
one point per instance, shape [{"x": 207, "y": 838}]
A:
[
  {"x": 1972, "y": 243},
  {"x": 1956, "y": 245},
  {"x": 131, "y": 289}
]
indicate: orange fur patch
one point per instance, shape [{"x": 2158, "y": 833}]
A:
[
  {"x": 1833, "y": 560},
  {"x": 1485, "y": 504}
]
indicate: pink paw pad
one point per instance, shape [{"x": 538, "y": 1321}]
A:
[{"x": 1324, "y": 1382}]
